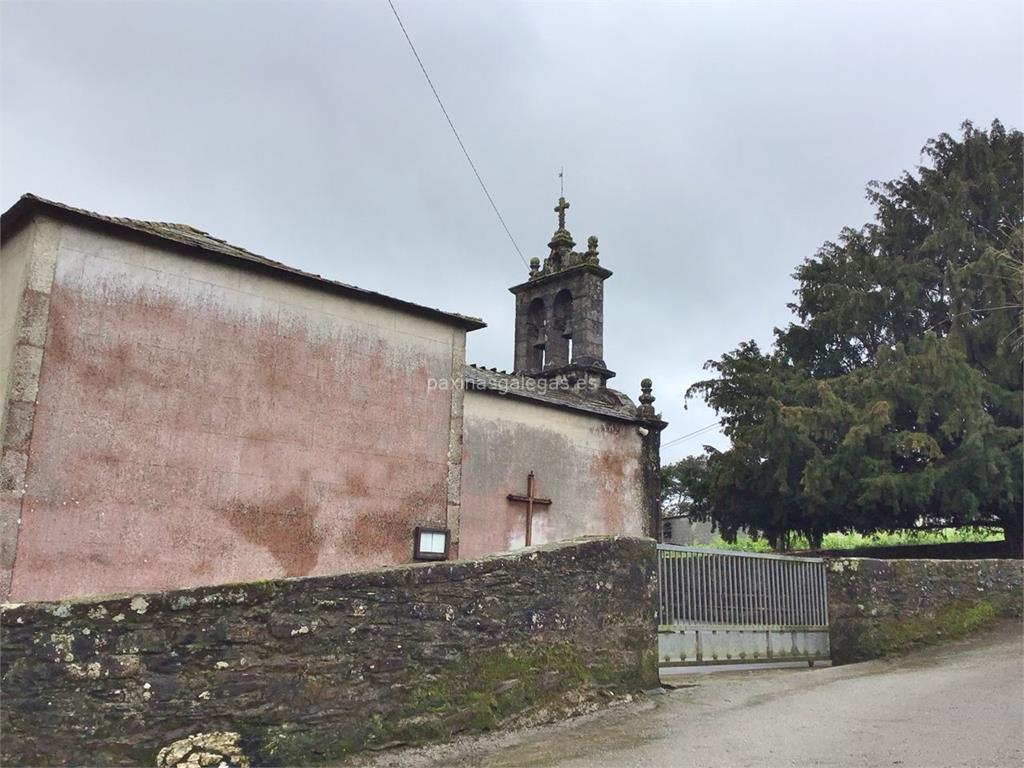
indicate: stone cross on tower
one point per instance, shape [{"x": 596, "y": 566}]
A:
[{"x": 560, "y": 209}]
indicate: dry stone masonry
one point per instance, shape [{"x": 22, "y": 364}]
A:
[
  {"x": 880, "y": 607},
  {"x": 307, "y": 670}
]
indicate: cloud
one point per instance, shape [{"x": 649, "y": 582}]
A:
[{"x": 711, "y": 147}]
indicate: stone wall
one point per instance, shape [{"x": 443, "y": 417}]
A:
[
  {"x": 307, "y": 670},
  {"x": 880, "y": 607}
]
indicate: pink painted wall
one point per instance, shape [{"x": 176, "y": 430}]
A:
[
  {"x": 198, "y": 423},
  {"x": 588, "y": 466}
]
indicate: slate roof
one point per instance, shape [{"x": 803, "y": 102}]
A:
[
  {"x": 603, "y": 402},
  {"x": 206, "y": 244}
]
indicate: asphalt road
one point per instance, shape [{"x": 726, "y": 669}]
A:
[{"x": 959, "y": 705}]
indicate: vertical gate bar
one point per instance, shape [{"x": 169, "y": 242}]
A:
[
  {"x": 773, "y": 567},
  {"x": 692, "y": 565},
  {"x": 779, "y": 612},
  {"x": 823, "y": 589},
  {"x": 723, "y": 589},
  {"x": 709, "y": 561},
  {"x": 762, "y": 589},
  {"x": 804, "y": 594},
  {"x": 738, "y": 564},
  {"x": 822, "y": 594},
  {"x": 673, "y": 594},
  {"x": 660, "y": 587},
  {"x": 682, "y": 587},
  {"x": 737, "y": 599},
  {"x": 669, "y": 618},
  {"x": 705, "y": 603},
  {"x": 669, "y": 590},
  {"x": 798, "y": 591},
  {"x": 721, "y": 573},
  {"x": 773, "y": 590},
  {"x": 730, "y": 588},
  {"x": 686, "y": 588},
  {"x": 737, "y": 571},
  {"x": 801, "y": 592},
  {"x": 823, "y": 581},
  {"x": 748, "y": 575},
  {"x": 751, "y": 562},
  {"x": 812, "y": 612},
  {"x": 723, "y": 569},
  {"x": 680, "y": 594},
  {"x": 685, "y": 573},
  {"x": 734, "y": 590},
  {"x": 777, "y": 592},
  {"x": 789, "y": 591},
  {"x": 691, "y": 598},
  {"x": 812, "y": 591},
  {"x": 709, "y": 565},
  {"x": 674, "y": 578},
  {"x": 698, "y": 608},
  {"x": 755, "y": 587},
  {"x": 673, "y": 589},
  {"x": 706, "y": 574},
  {"x": 748, "y": 583},
  {"x": 817, "y": 596},
  {"x": 715, "y": 591},
  {"x": 694, "y": 595},
  {"x": 811, "y": 619},
  {"x": 763, "y": 592},
  {"x": 666, "y": 569}
]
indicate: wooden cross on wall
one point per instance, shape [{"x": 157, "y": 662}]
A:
[{"x": 530, "y": 500}]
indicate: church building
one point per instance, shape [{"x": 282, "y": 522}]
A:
[{"x": 179, "y": 411}]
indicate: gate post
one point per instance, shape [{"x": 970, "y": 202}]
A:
[{"x": 651, "y": 426}]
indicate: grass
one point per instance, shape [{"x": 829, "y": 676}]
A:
[{"x": 855, "y": 540}]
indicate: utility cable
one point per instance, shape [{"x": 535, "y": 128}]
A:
[{"x": 457, "y": 137}]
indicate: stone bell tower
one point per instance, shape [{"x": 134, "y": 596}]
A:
[{"x": 560, "y": 313}]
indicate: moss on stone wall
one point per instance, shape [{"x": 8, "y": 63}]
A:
[
  {"x": 306, "y": 671},
  {"x": 881, "y": 608}
]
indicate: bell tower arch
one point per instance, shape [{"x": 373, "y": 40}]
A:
[{"x": 560, "y": 313}]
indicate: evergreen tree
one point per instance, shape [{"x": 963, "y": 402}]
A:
[{"x": 894, "y": 398}]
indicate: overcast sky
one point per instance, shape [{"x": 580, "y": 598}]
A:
[{"x": 710, "y": 146}]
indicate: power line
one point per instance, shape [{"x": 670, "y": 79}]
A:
[
  {"x": 691, "y": 434},
  {"x": 457, "y": 137}
]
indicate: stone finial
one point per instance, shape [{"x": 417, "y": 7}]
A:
[
  {"x": 591, "y": 254},
  {"x": 534, "y": 267},
  {"x": 646, "y": 407}
]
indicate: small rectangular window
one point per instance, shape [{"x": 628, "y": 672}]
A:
[{"x": 430, "y": 543}]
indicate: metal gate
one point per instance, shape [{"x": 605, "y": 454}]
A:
[{"x": 723, "y": 607}]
